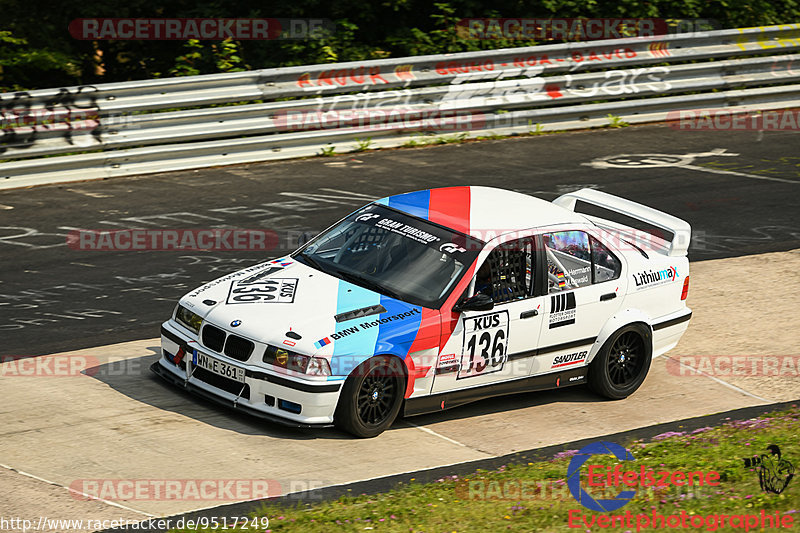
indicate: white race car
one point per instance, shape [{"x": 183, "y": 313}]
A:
[{"x": 427, "y": 300}]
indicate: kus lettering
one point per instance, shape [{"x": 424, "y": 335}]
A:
[{"x": 485, "y": 322}]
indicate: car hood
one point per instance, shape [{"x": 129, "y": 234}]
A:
[{"x": 278, "y": 301}]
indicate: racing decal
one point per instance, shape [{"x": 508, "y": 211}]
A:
[
  {"x": 259, "y": 275},
  {"x": 344, "y": 332},
  {"x": 223, "y": 279},
  {"x": 391, "y": 332},
  {"x": 397, "y": 333},
  {"x": 350, "y": 350},
  {"x": 447, "y": 364},
  {"x": 406, "y": 230},
  {"x": 322, "y": 342},
  {"x": 413, "y": 203},
  {"x": 562, "y": 310},
  {"x": 569, "y": 359},
  {"x": 428, "y": 333},
  {"x": 448, "y": 206},
  {"x": 427, "y": 337},
  {"x": 272, "y": 290},
  {"x": 560, "y": 280},
  {"x": 399, "y": 316},
  {"x": 650, "y": 278},
  {"x": 580, "y": 275},
  {"x": 451, "y": 247},
  {"x": 366, "y": 217},
  {"x": 484, "y": 345},
  {"x": 447, "y": 360}
]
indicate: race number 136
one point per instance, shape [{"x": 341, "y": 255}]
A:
[
  {"x": 279, "y": 290},
  {"x": 485, "y": 342}
]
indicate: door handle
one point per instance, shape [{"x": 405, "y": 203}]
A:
[
  {"x": 528, "y": 314},
  {"x": 609, "y": 296}
]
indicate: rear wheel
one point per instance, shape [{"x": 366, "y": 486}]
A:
[
  {"x": 371, "y": 397},
  {"x": 622, "y": 363}
]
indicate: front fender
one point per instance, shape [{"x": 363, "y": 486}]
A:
[{"x": 620, "y": 319}]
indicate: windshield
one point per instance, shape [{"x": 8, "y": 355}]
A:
[{"x": 394, "y": 254}]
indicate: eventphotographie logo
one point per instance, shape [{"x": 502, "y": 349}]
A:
[
  {"x": 774, "y": 472},
  {"x": 574, "y": 476}
]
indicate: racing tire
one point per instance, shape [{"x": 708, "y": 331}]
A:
[
  {"x": 622, "y": 363},
  {"x": 371, "y": 397}
]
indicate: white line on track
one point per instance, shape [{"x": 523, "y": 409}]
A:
[
  {"x": 720, "y": 381},
  {"x": 742, "y": 174},
  {"x": 432, "y": 432},
  {"x": 73, "y": 491}
]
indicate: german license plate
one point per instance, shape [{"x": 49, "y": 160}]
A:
[{"x": 221, "y": 368}]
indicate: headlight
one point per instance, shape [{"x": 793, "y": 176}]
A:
[
  {"x": 188, "y": 319},
  {"x": 318, "y": 366},
  {"x": 305, "y": 364}
]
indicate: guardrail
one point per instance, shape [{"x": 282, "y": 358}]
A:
[{"x": 128, "y": 128}]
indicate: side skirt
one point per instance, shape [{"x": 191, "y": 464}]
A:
[{"x": 446, "y": 400}]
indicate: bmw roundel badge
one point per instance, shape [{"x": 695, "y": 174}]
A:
[{"x": 236, "y": 323}]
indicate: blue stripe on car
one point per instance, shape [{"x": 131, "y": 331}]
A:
[
  {"x": 354, "y": 345},
  {"x": 414, "y": 203},
  {"x": 398, "y": 335}
]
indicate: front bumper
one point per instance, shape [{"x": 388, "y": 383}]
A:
[{"x": 265, "y": 394}]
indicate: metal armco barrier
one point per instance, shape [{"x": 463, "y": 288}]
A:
[{"x": 133, "y": 128}]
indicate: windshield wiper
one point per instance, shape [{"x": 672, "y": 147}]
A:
[
  {"x": 313, "y": 263},
  {"x": 368, "y": 284}
]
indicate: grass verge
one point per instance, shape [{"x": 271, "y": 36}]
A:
[{"x": 535, "y": 496}]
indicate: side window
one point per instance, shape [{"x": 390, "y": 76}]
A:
[
  {"x": 507, "y": 274},
  {"x": 606, "y": 264},
  {"x": 569, "y": 262}
]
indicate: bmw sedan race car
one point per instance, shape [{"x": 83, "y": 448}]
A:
[{"x": 428, "y": 300}]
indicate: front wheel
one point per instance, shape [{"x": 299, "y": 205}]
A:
[
  {"x": 622, "y": 363},
  {"x": 371, "y": 397}
]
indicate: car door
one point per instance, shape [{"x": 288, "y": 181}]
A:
[
  {"x": 584, "y": 289},
  {"x": 498, "y": 344}
]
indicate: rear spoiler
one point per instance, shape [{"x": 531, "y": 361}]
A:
[{"x": 636, "y": 222}]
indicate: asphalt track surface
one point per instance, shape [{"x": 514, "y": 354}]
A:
[{"x": 739, "y": 191}]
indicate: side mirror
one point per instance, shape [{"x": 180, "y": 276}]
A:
[
  {"x": 304, "y": 237},
  {"x": 478, "y": 302}
]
